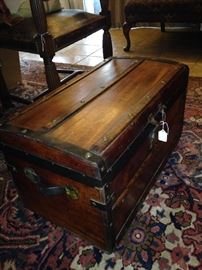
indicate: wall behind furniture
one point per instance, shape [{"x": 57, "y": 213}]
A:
[{"x": 72, "y": 4}]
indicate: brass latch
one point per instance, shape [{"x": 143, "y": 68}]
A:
[{"x": 71, "y": 192}]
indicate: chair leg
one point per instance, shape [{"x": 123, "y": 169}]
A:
[
  {"x": 4, "y": 94},
  {"x": 107, "y": 44},
  {"x": 46, "y": 48},
  {"x": 162, "y": 27},
  {"x": 126, "y": 30},
  {"x": 52, "y": 77}
]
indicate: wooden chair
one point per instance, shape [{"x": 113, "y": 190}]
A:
[{"x": 44, "y": 34}]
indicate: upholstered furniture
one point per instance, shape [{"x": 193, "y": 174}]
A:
[
  {"x": 160, "y": 11},
  {"x": 42, "y": 29}
]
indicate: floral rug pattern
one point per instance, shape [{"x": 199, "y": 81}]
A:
[
  {"x": 166, "y": 234},
  {"x": 33, "y": 77}
]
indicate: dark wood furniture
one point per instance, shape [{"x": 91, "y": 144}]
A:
[
  {"x": 160, "y": 11},
  {"x": 90, "y": 161},
  {"x": 4, "y": 95},
  {"x": 44, "y": 34}
]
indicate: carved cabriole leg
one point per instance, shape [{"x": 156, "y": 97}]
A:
[
  {"x": 107, "y": 42},
  {"x": 126, "y": 30}
]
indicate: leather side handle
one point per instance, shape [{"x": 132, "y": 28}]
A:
[{"x": 70, "y": 191}]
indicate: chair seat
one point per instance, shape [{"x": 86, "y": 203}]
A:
[
  {"x": 46, "y": 33},
  {"x": 165, "y": 11},
  {"x": 63, "y": 25}
]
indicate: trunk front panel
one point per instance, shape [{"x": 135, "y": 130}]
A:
[{"x": 72, "y": 209}]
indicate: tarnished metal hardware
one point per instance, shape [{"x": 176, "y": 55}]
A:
[
  {"x": 32, "y": 175},
  {"x": 52, "y": 123},
  {"x": 71, "y": 192},
  {"x": 12, "y": 168},
  {"x": 106, "y": 199},
  {"x": 88, "y": 155},
  {"x": 130, "y": 115},
  {"x": 105, "y": 194},
  {"x": 99, "y": 205},
  {"x": 102, "y": 169},
  {"x": 82, "y": 101},
  {"x": 103, "y": 206},
  {"x": 155, "y": 123},
  {"x": 24, "y": 131},
  {"x": 152, "y": 120},
  {"x": 161, "y": 106},
  {"x": 163, "y": 115},
  {"x": 162, "y": 109},
  {"x": 152, "y": 135}
]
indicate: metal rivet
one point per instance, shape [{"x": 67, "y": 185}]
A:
[
  {"x": 24, "y": 131},
  {"x": 82, "y": 101},
  {"x": 102, "y": 169},
  {"x": 88, "y": 155},
  {"x": 13, "y": 168},
  {"x": 105, "y": 139},
  {"x": 163, "y": 81}
]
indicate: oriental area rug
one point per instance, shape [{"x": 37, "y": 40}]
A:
[{"x": 166, "y": 233}]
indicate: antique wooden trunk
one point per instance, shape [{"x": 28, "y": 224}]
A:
[{"x": 86, "y": 155}]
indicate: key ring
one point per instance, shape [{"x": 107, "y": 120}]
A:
[{"x": 165, "y": 124}]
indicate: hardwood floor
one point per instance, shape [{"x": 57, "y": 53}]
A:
[{"x": 180, "y": 45}]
